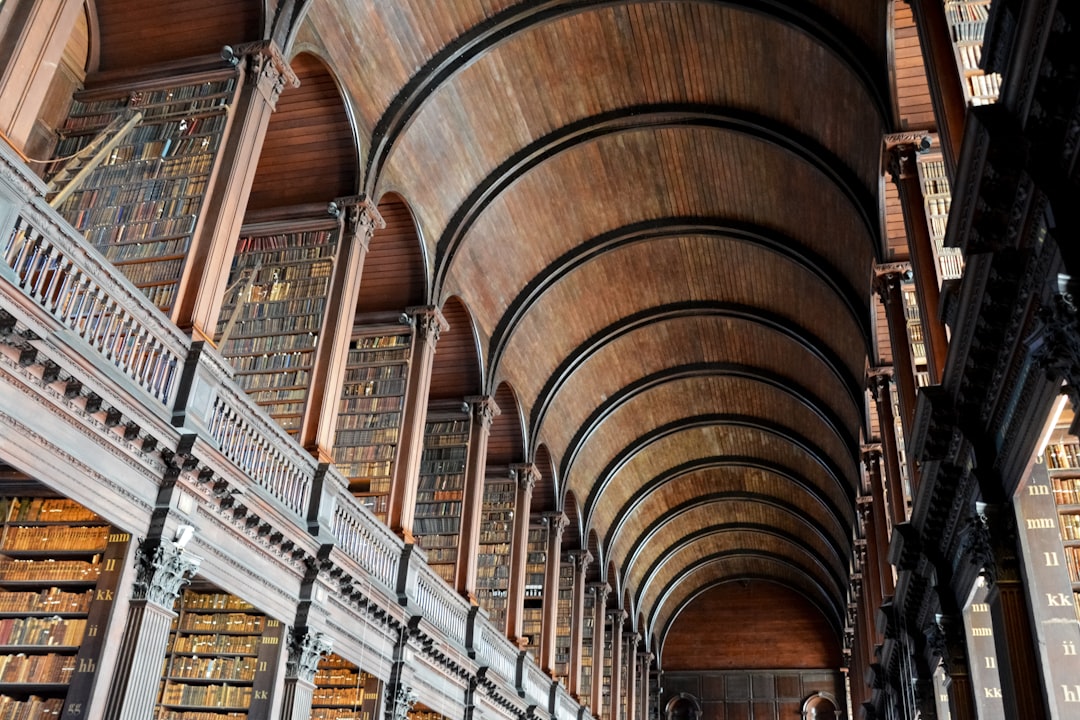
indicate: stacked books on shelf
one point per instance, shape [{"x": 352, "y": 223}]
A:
[
  {"x": 563, "y": 620},
  {"x": 532, "y": 615},
  {"x": 370, "y": 412},
  {"x": 141, "y": 204},
  {"x": 437, "y": 522},
  {"x": 493, "y": 558},
  {"x": 221, "y": 659},
  {"x": 270, "y": 318},
  {"x": 343, "y": 691},
  {"x": 59, "y": 569},
  {"x": 1063, "y": 466}
]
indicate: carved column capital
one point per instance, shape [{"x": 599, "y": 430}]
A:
[
  {"x": 361, "y": 217},
  {"x": 429, "y": 321},
  {"x": 484, "y": 410},
  {"x": 580, "y": 559},
  {"x": 600, "y": 592},
  {"x": 945, "y": 636},
  {"x": 160, "y": 576},
  {"x": 265, "y": 66},
  {"x": 527, "y": 475},
  {"x": 879, "y": 382},
  {"x": 1055, "y": 342},
  {"x": 402, "y": 702},
  {"x": 617, "y": 617},
  {"x": 901, "y": 161},
  {"x": 557, "y": 523},
  {"x": 871, "y": 456},
  {"x": 976, "y": 548},
  {"x": 887, "y": 279},
  {"x": 305, "y": 649}
]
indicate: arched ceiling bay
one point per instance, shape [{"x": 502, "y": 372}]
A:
[{"x": 662, "y": 218}]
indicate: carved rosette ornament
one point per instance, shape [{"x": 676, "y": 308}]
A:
[
  {"x": 159, "y": 577},
  {"x": 404, "y": 699},
  {"x": 305, "y": 650}
]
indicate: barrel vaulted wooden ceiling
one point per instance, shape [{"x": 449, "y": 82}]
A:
[{"x": 654, "y": 223}]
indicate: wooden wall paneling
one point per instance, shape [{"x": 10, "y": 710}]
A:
[{"x": 394, "y": 273}]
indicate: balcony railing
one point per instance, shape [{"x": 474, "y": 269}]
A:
[{"x": 103, "y": 317}]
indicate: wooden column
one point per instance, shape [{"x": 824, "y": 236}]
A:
[
  {"x": 358, "y": 219},
  {"x": 879, "y": 514},
  {"x": 427, "y": 322},
  {"x": 887, "y": 284},
  {"x": 32, "y": 43},
  {"x": 880, "y": 381},
  {"x": 1018, "y": 659},
  {"x": 905, "y": 174},
  {"x": 600, "y": 595},
  {"x": 580, "y": 559},
  {"x": 943, "y": 77},
  {"x": 484, "y": 410},
  {"x": 557, "y": 523},
  {"x": 206, "y": 271},
  {"x": 305, "y": 649},
  {"x": 631, "y": 675},
  {"x": 527, "y": 475},
  {"x": 870, "y": 574},
  {"x": 617, "y": 616},
  {"x": 162, "y": 572}
]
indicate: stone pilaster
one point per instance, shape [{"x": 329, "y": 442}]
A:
[{"x": 161, "y": 572}]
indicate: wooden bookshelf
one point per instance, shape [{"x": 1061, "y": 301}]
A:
[
  {"x": 221, "y": 659},
  {"x": 437, "y": 522},
  {"x": 493, "y": 561},
  {"x": 937, "y": 200},
  {"x": 587, "y": 620},
  {"x": 343, "y": 691},
  {"x": 370, "y": 412},
  {"x": 60, "y": 565},
  {"x": 139, "y": 207},
  {"x": 1063, "y": 466},
  {"x": 532, "y": 615},
  {"x": 273, "y": 311},
  {"x": 605, "y": 669},
  {"x": 967, "y": 21},
  {"x": 563, "y": 619}
]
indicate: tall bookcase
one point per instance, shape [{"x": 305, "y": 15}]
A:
[
  {"x": 343, "y": 691},
  {"x": 1063, "y": 466},
  {"x": 221, "y": 659},
  {"x": 370, "y": 412},
  {"x": 437, "y": 522},
  {"x": 59, "y": 569},
  {"x": 605, "y": 679},
  {"x": 587, "y": 621},
  {"x": 139, "y": 207},
  {"x": 563, "y": 620},
  {"x": 967, "y": 21},
  {"x": 493, "y": 559},
  {"x": 273, "y": 311},
  {"x": 532, "y": 616},
  {"x": 915, "y": 333},
  {"x": 937, "y": 199}
]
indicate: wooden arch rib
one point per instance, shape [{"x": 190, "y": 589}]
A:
[
  {"x": 813, "y": 21},
  {"x": 815, "y": 346},
  {"x": 827, "y": 558},
  {"x": 674, "y": 605},
  {"x": 765, "y": 238},
  {"x": 615, "y": 402},
  {"x": 784, "y": 434},
  {"x": 638, "y": 118},
  {"x": 783, "y": 569},
  {"x": 797, "y": 480}
]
